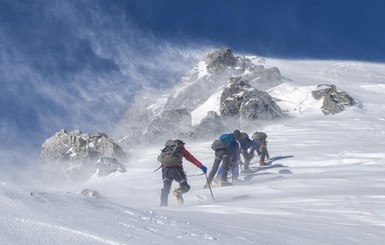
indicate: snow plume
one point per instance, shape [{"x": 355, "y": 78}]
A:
[
  {"x": 77, "y": 65},
  {"x": 19, "y": 166}
]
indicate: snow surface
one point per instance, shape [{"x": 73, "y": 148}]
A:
[
  {"x": 211, "y": 104},
  {"x": 326, "y": 186}
]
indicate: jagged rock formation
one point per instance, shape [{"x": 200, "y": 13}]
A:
[
  {"x": 333, "y": 101},
  {"x": 146, "y": 119},
  {"x": 210, "y": 125},
  {"x": 262, "y": 78},
  {"x": 220, "y": 59},
  {"x": 74, "y": 154},
  {"x": 169, "y": 124},
  {"x": 241, "y": 99},
  {"x": 108, "y": 165},
  {"x": 200, "y": 83}
]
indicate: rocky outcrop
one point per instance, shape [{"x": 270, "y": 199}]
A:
[
  {"x": 220, "y": 59},
  {"x": 74, "y": 154},
  {"x": 89, "y": 193},
  {"x": 146, "y": 119},
  {"x": 333, "y": 101},
  {"x": 241, "y": 99},
  {"x": 108, "y": 165},
  {"x": 200, "y": 83},
  {"x": 210, "y": 125},
  {"x": 261, "y": 78},
  {"x": 168, "y": 125}
]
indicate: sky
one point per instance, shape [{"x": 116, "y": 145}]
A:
[
  {"x": 78, "y": 64},
  {"x": 293, "y": 29},
  {"x": 325, "y": 186}
]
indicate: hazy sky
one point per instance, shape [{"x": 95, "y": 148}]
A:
[{"x": 76, "y": 64}]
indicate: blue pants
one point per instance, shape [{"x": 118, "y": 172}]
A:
[{"x": 234, "y": 166}]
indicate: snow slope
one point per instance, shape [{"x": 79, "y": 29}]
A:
[{"x": 326, "y": 185}]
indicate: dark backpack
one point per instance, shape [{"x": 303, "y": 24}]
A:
[
  {"x": 244, "y": 140},
  {"x": 218, "y": 145},
  {"x": 259, "y": 136},
  {"x": 171, "y": 155},
  {"x": 225, "y": 142},
  {"x": 244, "y": 136}
]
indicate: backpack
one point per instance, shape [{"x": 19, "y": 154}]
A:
[
  {"x": 218, "y": 145},
  {"x": 244, "y": 140},
  {"x": 244, "y": 136},
  {"x": 227, "y": 138},
  {"x": 259, "y": 136},
  {"x": 171, "y": 154}
]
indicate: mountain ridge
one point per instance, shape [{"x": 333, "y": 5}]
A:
[{"x": 195, "y": 87}]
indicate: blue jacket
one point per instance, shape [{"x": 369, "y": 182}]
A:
[{"x": 232, "y": 145}]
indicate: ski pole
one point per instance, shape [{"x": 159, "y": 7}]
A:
[{"x": 211, "y": 191}]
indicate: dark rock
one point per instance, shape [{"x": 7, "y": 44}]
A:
[
  {"x": 220, "y": 59},
  {"x": 241, "y": 99},
  {"x": 333, "y": 101}
]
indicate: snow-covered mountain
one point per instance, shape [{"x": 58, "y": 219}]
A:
[
  {"x": 222, "y": 91},
  {"x": 211, "y": 75},
  {"x": 201, "y": 86},
  {"x": 325, "y": 185}
]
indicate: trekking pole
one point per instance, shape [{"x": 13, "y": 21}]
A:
[{"x": 211, "y": 191}]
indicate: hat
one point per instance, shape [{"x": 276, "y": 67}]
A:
[{"x": 237, "y": 134}]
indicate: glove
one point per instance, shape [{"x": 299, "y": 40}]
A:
[{"x": 204, "y": 169}]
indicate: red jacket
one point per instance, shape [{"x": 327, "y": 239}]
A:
[{"x": 189, "y": 157}]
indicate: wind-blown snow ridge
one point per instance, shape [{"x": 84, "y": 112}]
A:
[
  {"x": 62, "y": 218},
  {"x": 296, "y": 100},
  {"x": 211, "y": 104}
]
